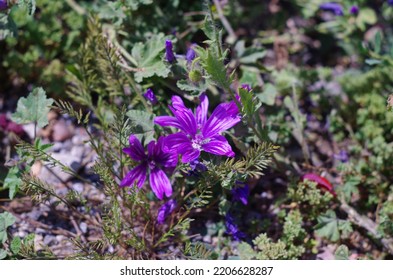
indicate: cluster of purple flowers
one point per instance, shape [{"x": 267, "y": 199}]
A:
[{"x": 197, "y": 133}]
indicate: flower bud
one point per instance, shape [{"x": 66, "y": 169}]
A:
[{"x": 195, "y": 76}]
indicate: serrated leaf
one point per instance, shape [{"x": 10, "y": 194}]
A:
[
  {"x": 15, "y": 245},
  {"x": 3, "y": 254},
  {"x": 34, "y": 108},
  {"x": 350, "y": 187},
  {"x": 342, "y": 253},
  {"x": 249, "y": 102},
  {"x": 13, "y": 181},
  {"x": 149, "y": 59},
  {"x": 191, "y": 87},
  {"x": 216, "y": 69},
  {"x": 328, "y": 226},
  {"x": 142, "y": 124}
]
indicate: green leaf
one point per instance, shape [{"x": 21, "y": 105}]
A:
[
  {"x": 216, "y": 69},
  {"x": 142, "y": 124},
  {"x": 13, "y": 181},
  {"x": 249, "y": 102},
  {"x": 34, "y": 108},
  {"x": 3, "y": 254},
  {"x": 350, "y": 187},
  {"x": 342, "y": 253},
  {"x": 15, "y": 245},
  {"x": 251, "y": 55},
  {"x": 149, "y": 58},
  {"x": 30, "y": 5},
  {"x": 7, "y": 26},
  {"x": 268, "y": 96},
  {"x": 196, "y": 88},
  {"x": 328, "y": 226},
  {"x": 6, "y": 220}
]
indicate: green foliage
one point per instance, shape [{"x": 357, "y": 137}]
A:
[
  {"x": 141, "y": 124},
  {"x": 385, "y": 225},
  {"x": 13, "y": 181},
  {"x": 342, "y": 253},
  {"x": 34, "y": 108},
  {"x": 149, "y": 57},
  {"x": 6, "y": 220},
  {"x": 311, "y": 198},
  {"x": 198, "y": 251},
  {"x": 331, "y": 227},
  {"x": 289, "y": 246}
]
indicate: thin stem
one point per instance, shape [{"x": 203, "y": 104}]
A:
[
  {"x": 225, "y": 21},
  {"x": 138, "y": 92}
]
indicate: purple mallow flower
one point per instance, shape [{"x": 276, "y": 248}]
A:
[
  {"x": 232, "y": 228},
  {"x": 354, "y": 10},
  {"x": 165, "y": 210},
  {"x": 153, "y": 163},
  {"x": 149, "y": 95},
  {"x": 190, "y": 55},
  {"x": 3, "y": 5},
  {"x": 197, "y": 133},
  {"x": 336, "y": 8},
  {"x": 169, "y": 55},
  {"x": 240, "y": 192}
]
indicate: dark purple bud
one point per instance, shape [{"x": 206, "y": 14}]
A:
[
  {"x": 149, "y": 95},
  {"x": 232, "y": 228},
  {"x": 342, "y": 156},
  {"x": 336, "y": 8},
  {"x": 169, "y": 55},
  {"x": 3, "y": 5},
  {"x": 190, "y": 55},
  {"x": 354, "y": 10},
  {"x": 240, "y": 192},
  {"x": 246, "y": 87},
  {"x": 165, "y": 210}
]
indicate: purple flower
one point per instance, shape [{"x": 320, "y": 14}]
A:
[
  {"x": 390, "y": 2},
  {"x": 155, "y": 161},
  {"x": 149, "y": 95},
  {"x": 354, "y": 10},
  {"x": 165, "y": 210},
  {"x": 246, "y": 87},
  {"x": 336, "y": 8},
  {"x": 232, "y": 228},
  {"x": 197, "y": 133},
  {"x": 3, "y": 5},
  {"x": 342, "y": 156},
  {"x": 240, "y": 192},
  {"x": 190, "y": 55},
  {"x": 169, "y": 55}
]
